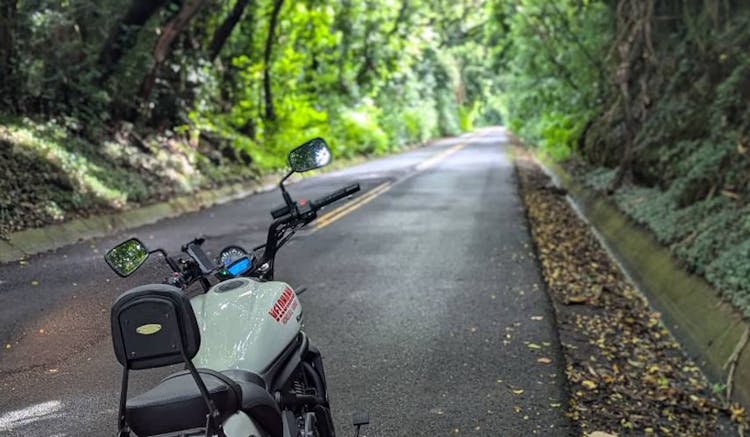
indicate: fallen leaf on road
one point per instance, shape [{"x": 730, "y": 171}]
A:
[
  {"x": 738, "y": 413},
  {"x": 544, "y": 360},
  {"x": 518, "y": 391},
  {"x": 533, "y": 346},
  {"x": 34, "y": 283},
  {"x": 574, "y": 300},
  {"x": 537, "y": 317},
  {"x": 589, "y": 384}
]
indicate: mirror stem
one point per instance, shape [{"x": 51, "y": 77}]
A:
[
  {"x": 172, "y": 264},
  {"x": 285, "y": 193}
]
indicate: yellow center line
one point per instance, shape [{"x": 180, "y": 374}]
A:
[
  {"x": 440, "y": 156},
  {"x": 344, "y": 210}
]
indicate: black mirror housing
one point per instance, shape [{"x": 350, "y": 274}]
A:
[
  {"x": 127, "y": 257},
  {"x": 310, "y": 155}
]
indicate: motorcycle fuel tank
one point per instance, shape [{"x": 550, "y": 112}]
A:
[{"x": 245, "y": 324}]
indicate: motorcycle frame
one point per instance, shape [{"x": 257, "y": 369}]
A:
[{"x": 212, "y": 428}]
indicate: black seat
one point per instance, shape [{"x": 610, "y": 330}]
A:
[{"x": 176, "y": 403}]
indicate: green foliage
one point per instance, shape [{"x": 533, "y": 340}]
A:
[
  {"x": 368, "y": 76},
  {"x": 551, "y": 83},
  {"x": 678, "y": 100},
  {"x": 357, "y": 131},
  {"x": 712, "y": 236},
  {"x": 731, "y": 270},
  {"x": 117, "y": 114},
  {"x": 377, "y": 75},
  {"x": 467, "y": 116}
]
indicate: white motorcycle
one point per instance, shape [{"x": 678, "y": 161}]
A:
[{"x": 249, "y": 369}]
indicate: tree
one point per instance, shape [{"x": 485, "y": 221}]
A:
[
  {"x": 124, "y": 34},
  {"x": 8, "y": 19},
  {"x": 222, "y": 33},
  {"x": 163, "y": 46},
  {"x": 270, "y": 111}
]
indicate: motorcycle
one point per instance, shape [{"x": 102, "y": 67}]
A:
[{"x": 249, "y": 369}]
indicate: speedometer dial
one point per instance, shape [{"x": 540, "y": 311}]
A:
[{"x": 230, "y": 254}]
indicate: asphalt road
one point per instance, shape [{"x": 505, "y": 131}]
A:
[{"x": 426, "y": 303}]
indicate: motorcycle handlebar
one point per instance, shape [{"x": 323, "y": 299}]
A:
[
  {"x": 340, "y": 194},
  {"x": 279, "y": 212},
  {"x": 320, "y": 203}
]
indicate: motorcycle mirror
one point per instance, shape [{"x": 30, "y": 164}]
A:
[
  {"x": 126, "y": 257},
  {"x": 309, "y": 156}
]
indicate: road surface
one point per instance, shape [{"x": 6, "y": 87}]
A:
[{"x": 425, "y": 299}]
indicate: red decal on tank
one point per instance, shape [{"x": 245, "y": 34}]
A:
[
  {"x": 287, "y": 301},
  {"x": 290, "y": 313}
]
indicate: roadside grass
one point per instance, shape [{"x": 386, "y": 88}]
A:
[{"x": 50, "y": 173}]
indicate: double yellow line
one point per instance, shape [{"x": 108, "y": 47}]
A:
[
  {"x": 439, "y": 157},
  {"x": 343, "y": 210},
  {"x": 346, "y": 209}
]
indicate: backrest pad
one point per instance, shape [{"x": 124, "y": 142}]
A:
[{"x": 151, "y": 325}]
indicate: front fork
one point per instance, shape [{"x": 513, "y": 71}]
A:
[
  {"x": 314, "y": 359},
  {"x": 313, "y": 364}
]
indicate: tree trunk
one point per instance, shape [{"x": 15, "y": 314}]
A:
[
  {"x": 344, "y": 25},
  {"x": 229, "y": 73},
  {"x": 163, "y": 46},
  {"x": 270, "y": 112},
  {"x": 124, "y": 34},
  {"x": 225, "y": 30},
  {"x": 637, "y": 57},
  {"x": 8, "y": 90}
]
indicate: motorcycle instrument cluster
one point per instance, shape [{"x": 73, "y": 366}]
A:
[
  {"x": 230, "y": 254},
  {"x": 236, "y": 261}
]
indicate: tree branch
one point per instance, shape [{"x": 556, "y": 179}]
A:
[
  {"x": 225, "y": 30},
  {"x": 270, "y": 111}
]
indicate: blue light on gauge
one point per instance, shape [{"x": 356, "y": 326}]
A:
[{"x": 240, "y": 266}]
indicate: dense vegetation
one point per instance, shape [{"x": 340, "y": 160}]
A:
[
  {"x": 108, "y": 103},
  {"x": 652, "y": 101}
]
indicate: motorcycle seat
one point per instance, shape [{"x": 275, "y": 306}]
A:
[{"x": 176, "y": 403}]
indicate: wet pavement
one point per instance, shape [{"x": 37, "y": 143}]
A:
[{"x": 426, "y": 302}]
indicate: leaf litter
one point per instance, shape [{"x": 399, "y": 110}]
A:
[{"x": 627, "y": 375}]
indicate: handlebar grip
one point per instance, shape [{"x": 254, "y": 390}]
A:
[
  {"x": 281, "y": 211},
  {"x": 340, "y": 194}
]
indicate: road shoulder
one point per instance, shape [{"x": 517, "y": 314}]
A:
[{"x": 626, "y": 372}]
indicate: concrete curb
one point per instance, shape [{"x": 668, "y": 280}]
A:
[
  {"x": 708, "y": 328},
  {"x": 32, "y": 241}
]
